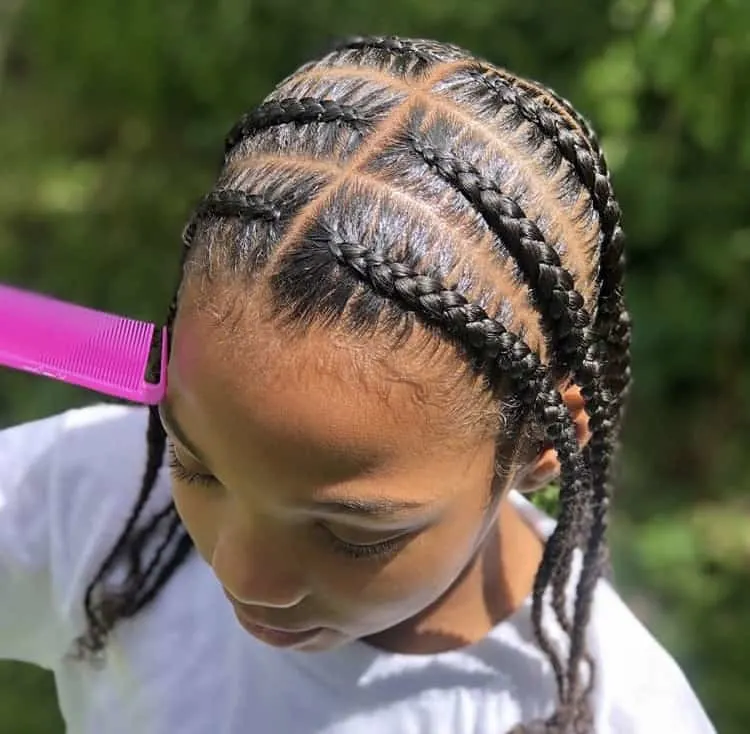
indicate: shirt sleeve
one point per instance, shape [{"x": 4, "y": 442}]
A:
[
  {"x": 29, "y": 628},
  {"x": 660, "y": 703},
  {"x": 643, "y": 689},
  {"x": 67, "y": 487}
]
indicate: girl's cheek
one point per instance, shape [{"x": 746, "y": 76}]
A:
[
  {"x": 199, "y": 515},
  {"x": 412, "y": 580}
]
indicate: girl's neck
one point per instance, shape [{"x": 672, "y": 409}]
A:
[{"x": 490, "y": 589}]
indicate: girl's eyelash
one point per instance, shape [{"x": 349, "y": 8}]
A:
[
  {"x": 181, "y": 474},
  {"x": 384, "y": 549}
]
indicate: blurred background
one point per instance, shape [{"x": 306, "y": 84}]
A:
[{"x": 112, "y": 116}]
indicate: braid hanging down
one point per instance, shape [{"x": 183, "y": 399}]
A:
[{"x": 504, "y": 159}]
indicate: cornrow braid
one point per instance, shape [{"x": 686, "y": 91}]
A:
[
  {"x": 613, "y": 322},
  {"x": 230, "y": 203},
  {"x": 98, "y": 618},
  {"x": 233, "y": 203},
  {"x": 178, "y": 543},
  {"x": 552, "y": 286},
  {"x": 560, "y": 304},
  {"x": 572, "y": 146},
  {"x": 406, "y": 57},
  {"x": 298, "y": 111},
  {"x": 546, "y": 95},
  {"x": 603, "y": 401},
  {"x": 390, "y": 44},
  {"x": 500, "y": 353},
  {"x": 585, "y": 157}
]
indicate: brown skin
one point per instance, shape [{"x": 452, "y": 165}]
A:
[{"x": 277, "y": 432}]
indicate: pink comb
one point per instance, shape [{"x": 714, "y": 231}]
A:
[{"x": 99, "y": 351}]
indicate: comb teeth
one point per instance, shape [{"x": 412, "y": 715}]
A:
[{"x": 95, "y": 350}]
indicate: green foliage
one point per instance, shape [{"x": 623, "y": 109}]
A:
[
  {"x": 547, "y": 500},
  {"x": 27, "y": 701},
  {"x": 111, "y": 121}
]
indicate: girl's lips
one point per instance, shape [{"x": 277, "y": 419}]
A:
[{"x": 274, "y": 636}]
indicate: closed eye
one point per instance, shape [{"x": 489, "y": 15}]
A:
[
  {"x": 187, "y": 476},
  {"x": 379, "y": 550}
]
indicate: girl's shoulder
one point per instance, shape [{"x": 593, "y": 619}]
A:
[
  {"x": 68, "y": 483},
  {"x": 70, "y": 463},
  {"x": 639, "y": 685}
]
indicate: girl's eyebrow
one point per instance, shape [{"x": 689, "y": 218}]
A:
[
  {"x": 376, "y": 507},
  {"x": 172, "y": 427},
  {"x": 352, "y": 506}
]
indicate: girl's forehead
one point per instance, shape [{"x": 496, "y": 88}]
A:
[{"x": 358, "y": 385}]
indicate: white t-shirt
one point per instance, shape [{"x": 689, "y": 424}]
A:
[{"x": 184, "y": 665}]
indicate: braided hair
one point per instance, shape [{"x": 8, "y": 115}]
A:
[{"x": 395, "y": 182}]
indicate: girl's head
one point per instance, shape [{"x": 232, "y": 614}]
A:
[{"x": 410, "y": 260}]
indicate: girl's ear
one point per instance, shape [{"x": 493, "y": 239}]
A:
[{"x": 545, "y": 467}]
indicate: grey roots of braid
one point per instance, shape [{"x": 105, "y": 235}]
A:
[{"x": 397, "y": 182}]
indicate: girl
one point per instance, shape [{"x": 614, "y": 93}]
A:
[{"x": 401, "y": 306}]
